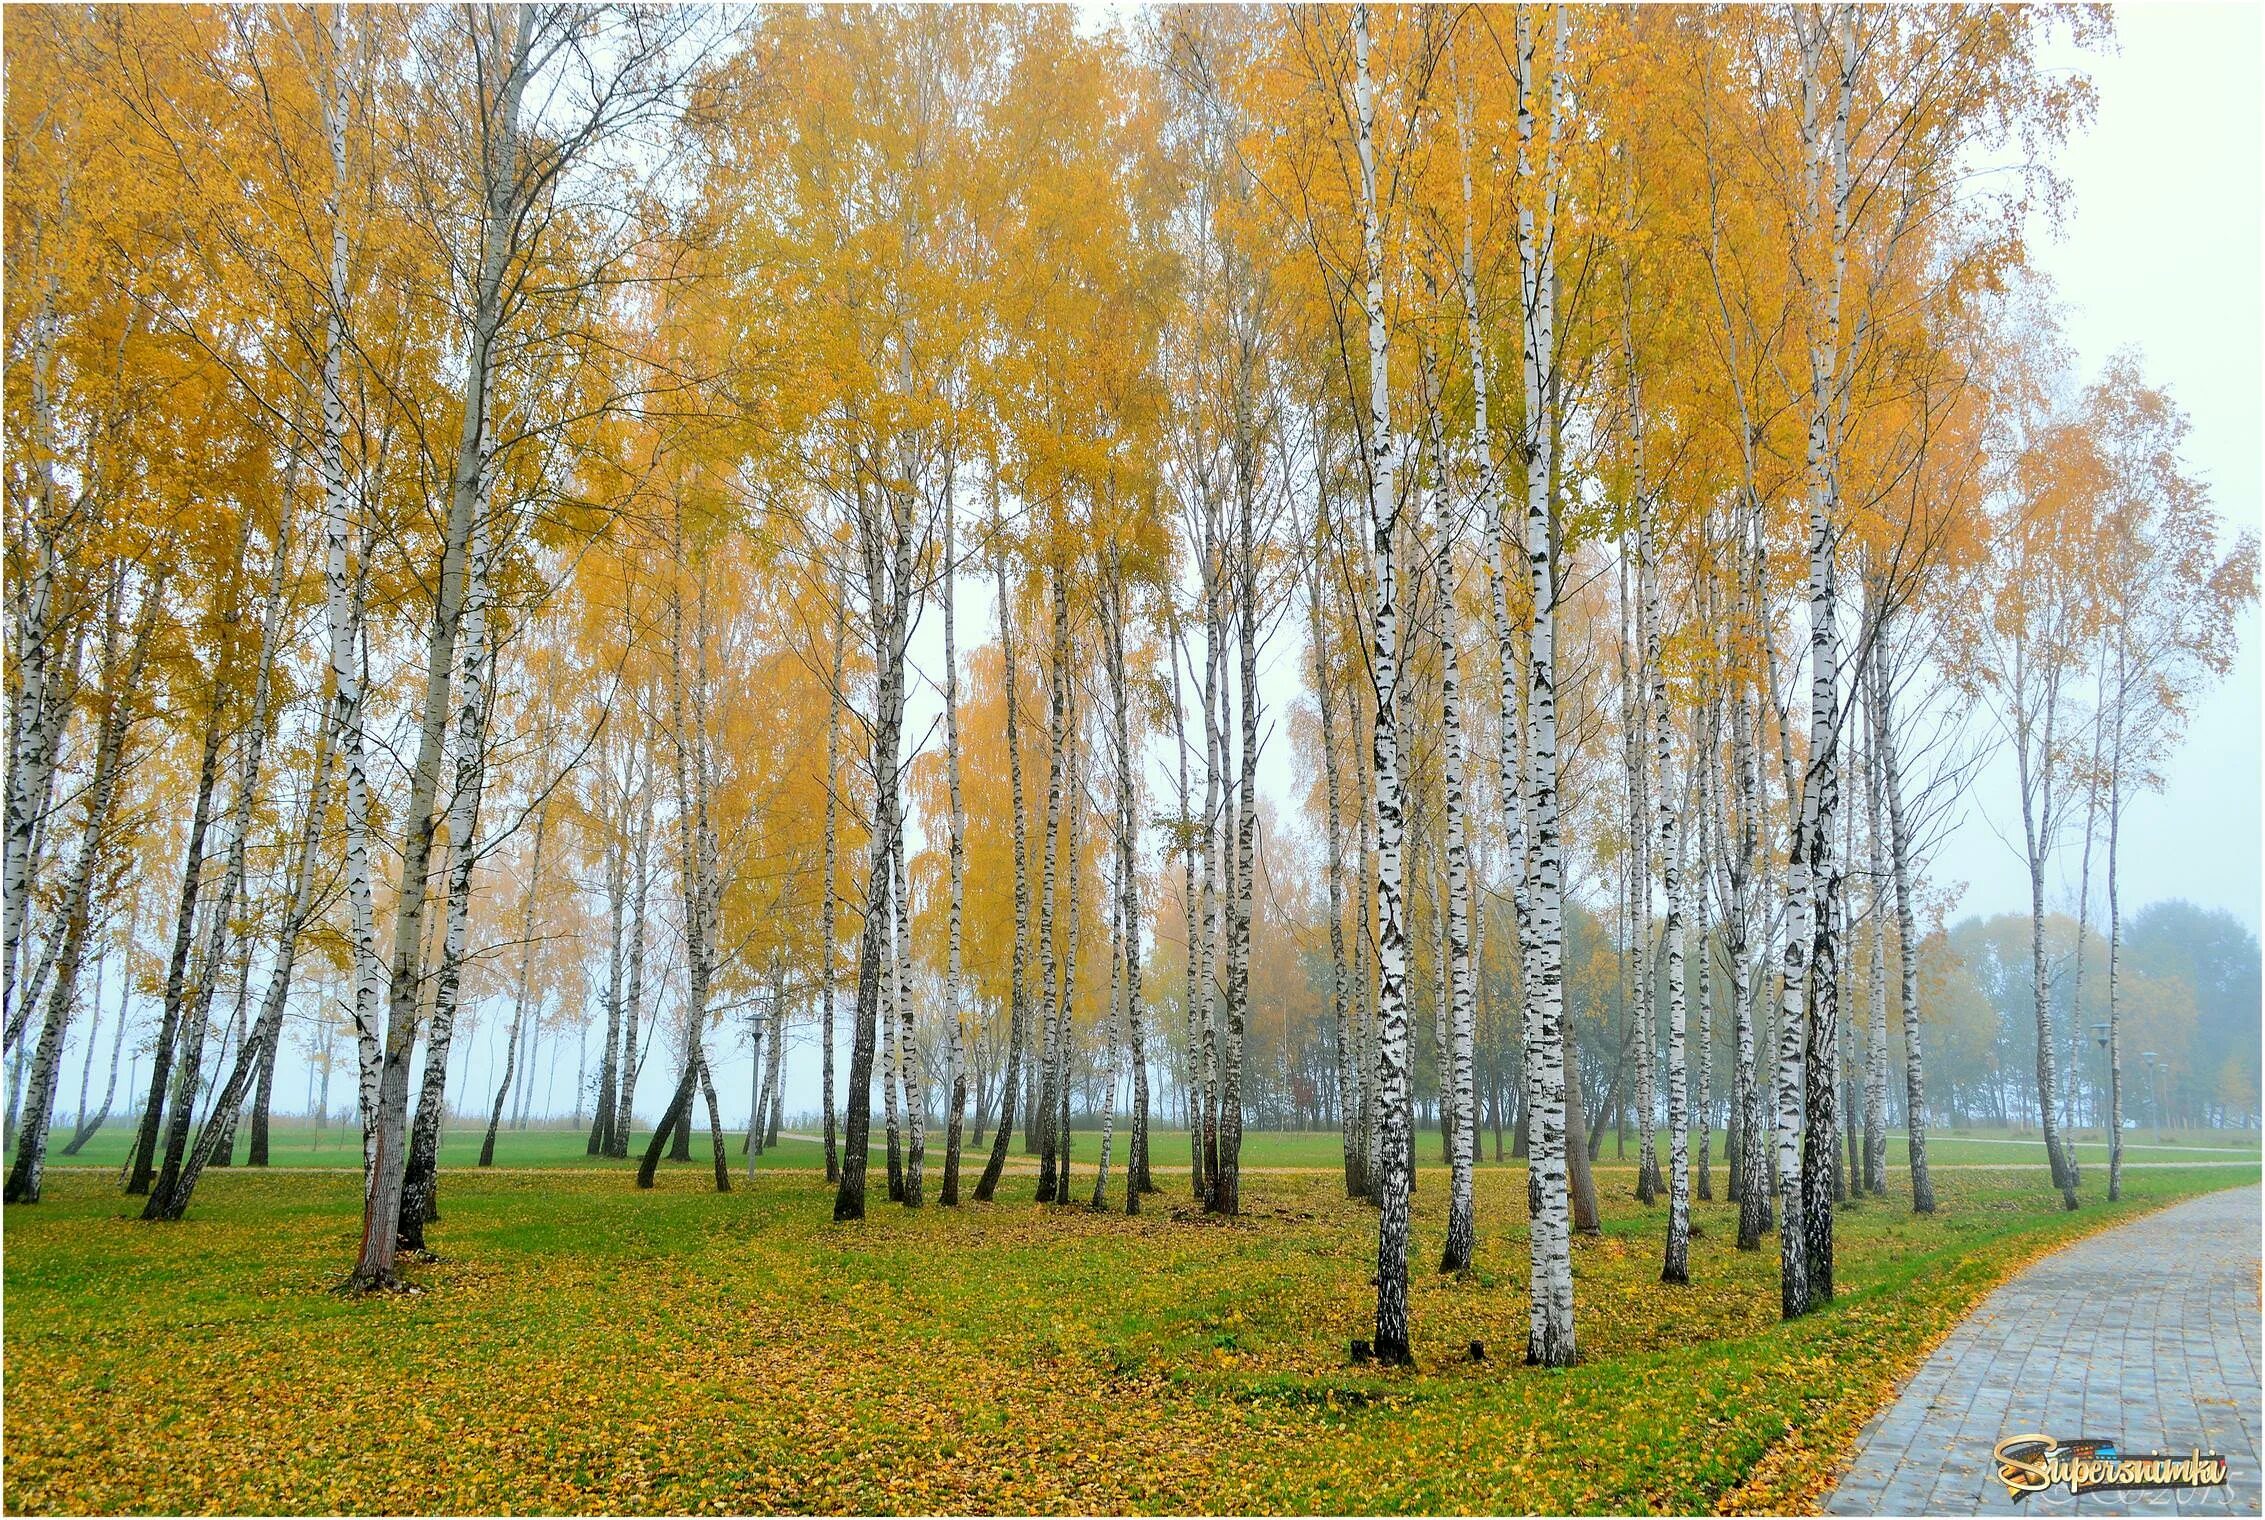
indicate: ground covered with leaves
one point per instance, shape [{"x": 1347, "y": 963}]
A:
[{"x": 582, "y": 1346}]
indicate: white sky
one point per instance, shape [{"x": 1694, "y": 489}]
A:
[{"x": 2163, "y": 251}]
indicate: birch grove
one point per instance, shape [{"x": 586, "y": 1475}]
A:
[{"x": 1537, "y": 518}]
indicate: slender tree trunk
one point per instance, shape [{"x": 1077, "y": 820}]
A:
[
  {"x": 1396, "y": 1139},
  {"x": 87, "y": 1126},
  {"x": 955, "y": 1016},
  {"x": 1191, "y": 848},
  {"x": 1341, "y": 1040},
  {"x": 373, "y": 1266},
  {"x": 673, "y": 1118},
  {"x": 716, "y": 1145},
  {"x": 343, "y": 604},
  {"x": 1702, "y": 942},
  {"x": 634, "y": 999},
  {"x": 1642, "y": 833},
  {"x": 421, "y": 1180},
  {"x": 829, "y": 900},
  {"x": 1053, "y": 1012},
  {"x": 1550, "y": 1338},
  {"x": 774, "y": 1091},
  {"x": 144, "y": 1158},
  {"x": 1227, "y": 1197},
  {"x": 94, "y": 1023},
  {"x": 1128, "y": 894},
  {"x": 911, "y": 1067},
  {"x": 2115, "y": 933},
  {"x": 256, "y": 1058},
  {"x": 527, "y": 903},
  {"x": 1875, "y": 1053},
  {"x": 1110, "y": 1076},
  {"x": 113, "y": 728},
  {"x": 1455, "y": 1077},
  {"x": 609, "y": 1057},
  {"x": 38, "y": 732},
  {"x": 163, "y": 1204},
  {"x": 1074, "y": 847},
  {"x": 1671, "y": 840},
  {"x": 1368, "y": 1039},
  {"x": 1018, "y": 996},
  {"x": 1578, "y": 1144},
  {"x": 697, "y": 870},
  {"x": 888, "y": 570}
]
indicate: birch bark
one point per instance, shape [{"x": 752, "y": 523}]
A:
[
  {"x": 1875, "y": 1050},
  {"x": 1051, "y": 1008},
  {"x": 162, "y": 1203},
  {"x": 955, "y": 1031},
  {"x": 257, "y": 1057},
  {"x": 640, "y": 878},
  {"x": 1550, "y": 1339},
  {"x": 373, "y": 1265},
  {"x": 829, "y": 900},
  {"x": 1341, "y": 1037},
  {"x": 1457, "y": 1092},
  {"x": 1018, "y": 994},
  {"x": 1128, "y": 895},
  {"x": 1395, "y": 1140},
  {"x": 421, "y": 1182},
  {"x": 1906, "y": 935},
  {"x": 609, "y": 1055},
  {"x": 113, "y": 728},
  {"x": 887, "y": 553}
]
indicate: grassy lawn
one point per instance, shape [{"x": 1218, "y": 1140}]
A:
[
  {"x": 300, "y": 1145},
  {"x": 582, "y": 1346}
]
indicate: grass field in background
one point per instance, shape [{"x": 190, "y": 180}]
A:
[{"x": 297, "y": 1144}]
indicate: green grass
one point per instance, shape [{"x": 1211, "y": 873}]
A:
[
  {"x": 294, "y": 1144},
  {"x": 582, "y": 1346}
]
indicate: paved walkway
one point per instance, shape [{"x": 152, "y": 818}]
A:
[{"x": 2145, "y": 1335}]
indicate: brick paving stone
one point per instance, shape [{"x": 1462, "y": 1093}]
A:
[{"x": 2146, "y": 1335}]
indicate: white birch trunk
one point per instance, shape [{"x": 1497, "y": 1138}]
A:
[
  {"x": 420, "y": 1188},
  {"x": 1395, "y": 1120},
  {"x": 1128, "y": 899},
  {"x": 1342, "y": 1036},
  {"x": 911, "y": 1065},
  {"x": 1906, "y": 935},
  {"x": 113, "y": 728},
  {"x": 1457, "y": 1091},
  {"x": 1051, "y": 1007},
  {"x": 373, "y": 1266},
  {"x": 827, "y": 904},
  {"x": 162, "y": 1202},
  {"x": 1018, "y": 997},
  {"x": 1676, "y": 1265},
  {"x": 1550, "y": 1339},
  {"x": 1875, "y": 1050},
  {"x": 955, "y": 1016}
]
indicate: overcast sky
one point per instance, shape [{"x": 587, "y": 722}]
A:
[{"x": 2163, "y": 251}]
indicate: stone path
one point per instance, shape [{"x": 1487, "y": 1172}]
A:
[{"x": 2145, "y": 1335}]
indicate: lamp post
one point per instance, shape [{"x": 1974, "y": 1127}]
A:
[
  {"x": 2154, "y": 1094},
  {"x": 2099, "y": 1093}
]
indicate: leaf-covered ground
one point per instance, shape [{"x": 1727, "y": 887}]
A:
[{"x": 582, "y": 1346}]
